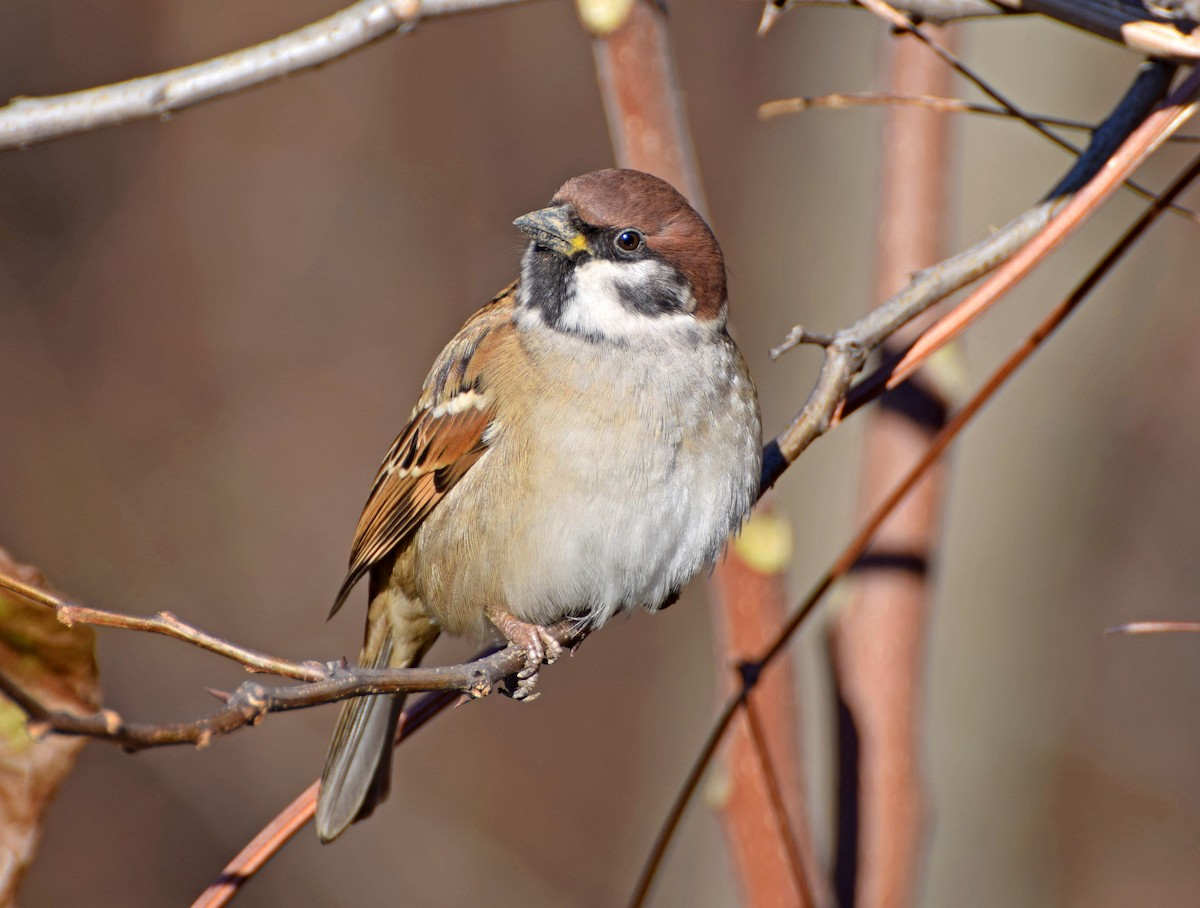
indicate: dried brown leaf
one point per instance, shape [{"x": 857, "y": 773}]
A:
[{"x": 55, "y": 665}]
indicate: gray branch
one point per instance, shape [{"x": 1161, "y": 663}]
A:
[{"x": 26, "y": 121}]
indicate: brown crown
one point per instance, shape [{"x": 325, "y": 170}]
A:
[{"x": 673, "y": 229}]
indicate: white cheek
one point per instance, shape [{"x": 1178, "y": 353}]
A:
[{"x": 596, "y": 308}]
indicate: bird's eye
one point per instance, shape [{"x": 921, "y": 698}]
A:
[{"x": 629, "y": 240}]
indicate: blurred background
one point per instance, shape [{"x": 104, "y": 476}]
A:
[{"x": 211, "y": 328}]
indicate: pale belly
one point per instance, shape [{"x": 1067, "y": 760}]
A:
[{"x": 605, "y": 510}]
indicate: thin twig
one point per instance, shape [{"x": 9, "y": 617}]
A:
[
  {"x": 272, "y": 837},
  {"x": 938, "y": 12},
  {"x": 169, "y": 625},
  {"x": 679, "y": 805},
  {"x": 27, "y": 121},
  {"x": 1156, "y": 627},
  {"x": 845, "y": 100},
  {"x": 858, "y": 544},
  {"x": 779, "y": 811}
]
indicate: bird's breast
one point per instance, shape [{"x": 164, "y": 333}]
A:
[{"x": 612, "y": 478}]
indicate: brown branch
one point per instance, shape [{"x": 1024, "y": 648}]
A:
[
  {"x": 272, "y": 837},
  {"x": 845, "y": 100},
  {"x": 169, "y": 625},
  {"x": 858, "y": 544},
  {"x": 27, "y": 121},
  {"x": 667, "y": 831},
  {"x": 779, "y": 810},
  {"x": 643, "y": 102},
  {"x": 749, "y": 593}
]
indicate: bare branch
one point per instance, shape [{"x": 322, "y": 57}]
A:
[
  {"x": 297, "y": 814},
  {"x": 252, "y": 701},
  {"x": 889, "y": 14},
  {"x": 165, "y": 623},
  {"x": 1156, "y": 33},
  {"x": 779, "y": 811},
  {"x": 845, "y": 100},
  {"x": 26, "y": 121}
]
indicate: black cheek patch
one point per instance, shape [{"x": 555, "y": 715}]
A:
[{"x": 654, "y": 298}]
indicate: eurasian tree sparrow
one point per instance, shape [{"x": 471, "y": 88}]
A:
[{"x": 584, "y": 445}]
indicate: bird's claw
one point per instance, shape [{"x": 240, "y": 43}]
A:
[{"x": 541, "y": 645}]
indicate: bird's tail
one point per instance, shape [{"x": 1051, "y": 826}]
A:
[{"x": 357, "y": 772}]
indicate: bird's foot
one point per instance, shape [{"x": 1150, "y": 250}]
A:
[{"x": 541, "y": 644}]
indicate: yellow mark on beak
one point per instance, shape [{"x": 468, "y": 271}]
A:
[{"x": 579, "y": 243}]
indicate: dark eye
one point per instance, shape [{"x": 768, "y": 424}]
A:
[{"x": 629, "y": 241}]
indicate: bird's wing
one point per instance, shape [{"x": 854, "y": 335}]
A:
[{"x": 443, "y": 439}]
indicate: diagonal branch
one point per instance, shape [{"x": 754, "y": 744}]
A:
[{"x": 27, "y": 121}]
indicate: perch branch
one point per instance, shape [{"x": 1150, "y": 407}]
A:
[
  {"x": 27, "y": 121},
  {"x": 252, "y": 701}
]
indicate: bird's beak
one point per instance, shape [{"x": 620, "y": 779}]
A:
[{"x": 552, "y": 228}]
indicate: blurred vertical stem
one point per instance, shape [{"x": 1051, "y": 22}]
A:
[
  {"x": 764, "y": 815},
  {"x": 877, "y": 642}
]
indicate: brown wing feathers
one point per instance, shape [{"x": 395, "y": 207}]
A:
[{"x": 442, "y": 441}]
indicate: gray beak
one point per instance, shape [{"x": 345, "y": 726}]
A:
[{"x": 552, "y": 228}]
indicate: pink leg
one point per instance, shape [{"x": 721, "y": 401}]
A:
[{"x": 541, "y": 644}]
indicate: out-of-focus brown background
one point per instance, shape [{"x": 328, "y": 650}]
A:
[{"x": 211, "y": 328}]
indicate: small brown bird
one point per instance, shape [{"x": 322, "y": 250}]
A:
[{"x": 584, "y": 445}]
